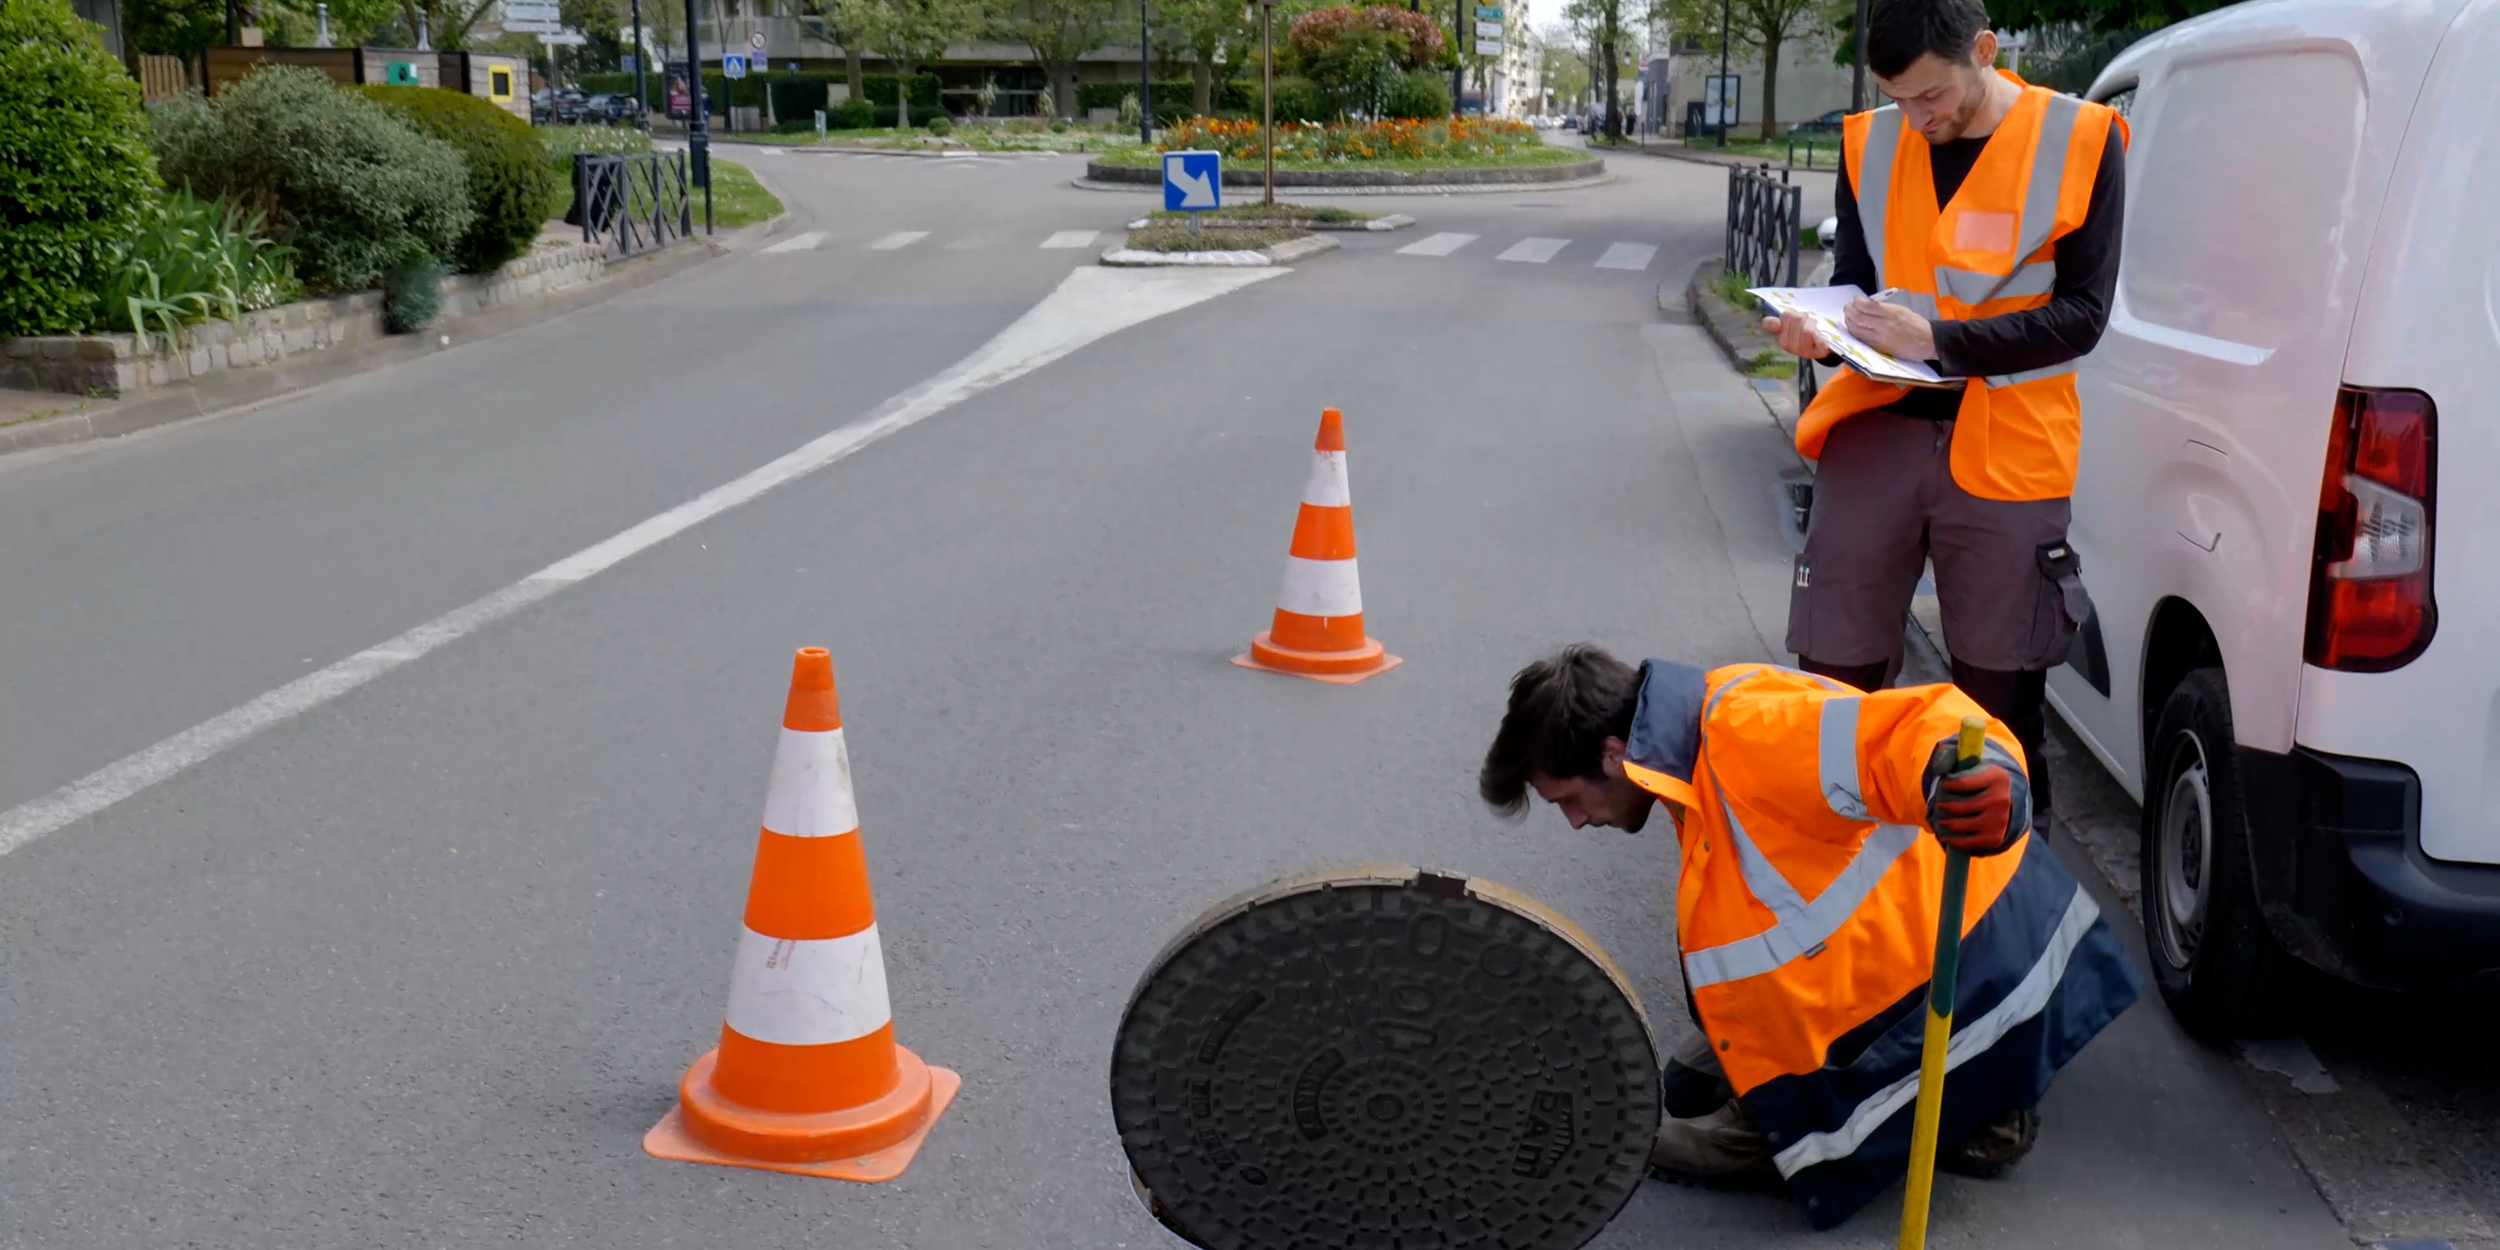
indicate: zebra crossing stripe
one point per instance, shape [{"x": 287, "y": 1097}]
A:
[
  {"x": 1437, "y": 245},
  {"x": 1634, "y": 256},
  {"x": 1071, "y": 238},
  {"x": 1534, "y": 251},
  {"x": 898, "y": 240},
  {"x": 799, "y": 242}
]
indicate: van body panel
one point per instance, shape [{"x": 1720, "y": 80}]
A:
[
  {"x": 2429, "y": 320},
  {"x": 2263, "y": 140}
]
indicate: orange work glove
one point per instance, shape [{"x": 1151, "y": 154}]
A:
[{"x": 1979, "y": 809}]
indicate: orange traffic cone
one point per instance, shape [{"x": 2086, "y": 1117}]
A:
[
  {"x": 807, "y": 1077},
  {"x": 1318, "y": 631}
]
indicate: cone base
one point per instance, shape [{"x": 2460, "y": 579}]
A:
[
  {"x": 1342, "y": 668},
  {"x": 775, "y": 1142}
]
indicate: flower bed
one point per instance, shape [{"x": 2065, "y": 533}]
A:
[{"x": 1454, "y": 143}]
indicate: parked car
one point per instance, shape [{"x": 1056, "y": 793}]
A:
[
  {"x": 1570, "y": 122},
  {"x": 542, "y": 107},
  {"x": 609, "y": 109},
  {"x": 1827, "y": 124},
  {"x": 2283, "y": 508},
  {"x": 569, "y": 104}
]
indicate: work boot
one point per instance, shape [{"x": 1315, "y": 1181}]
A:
[
  {"x": 1721, "y": 1150},
  {"x": 1987, "y": 1153},
  {"x": 1692, "y": 1084}
]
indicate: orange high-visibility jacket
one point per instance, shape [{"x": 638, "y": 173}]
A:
[
  {"x": 1806, "y": 906},
  {"x": 1992, "y": 250}
]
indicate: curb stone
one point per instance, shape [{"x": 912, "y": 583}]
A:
[
  {"x": 1510, "y": 188},
  {"x": 1281, "y": 253},
  {"x": 1391, "y": 221}
]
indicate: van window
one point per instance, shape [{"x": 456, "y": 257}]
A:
[{"x": 2230, "y": 234}]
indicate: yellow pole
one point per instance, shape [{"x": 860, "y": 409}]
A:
[{"x": 1922, "y": 1178}]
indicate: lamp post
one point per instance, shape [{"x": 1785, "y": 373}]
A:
[
  {"x": 1458, "y": 58},
  {"x": 1267, "y": 95},
  {"x": 1145, "y": 81},
  {"x": 1857, "y": 66},
  {"x": 642, "y": 94},
  {"x": 698, "y": 122},
  {"x": 1725, "y": 7}
]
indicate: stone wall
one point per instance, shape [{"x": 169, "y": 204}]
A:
[{"x": 115, "y": 365}]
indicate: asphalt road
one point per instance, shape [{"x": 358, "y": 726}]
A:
[{"x": 418, "y": 962}]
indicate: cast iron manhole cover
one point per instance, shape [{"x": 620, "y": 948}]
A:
[{"x": 1380, "y": 1057}]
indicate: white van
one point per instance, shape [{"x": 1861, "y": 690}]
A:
[{"x": 2289, "y": 502}]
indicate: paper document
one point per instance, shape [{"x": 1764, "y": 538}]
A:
[{"x": 1826, "y": 308}]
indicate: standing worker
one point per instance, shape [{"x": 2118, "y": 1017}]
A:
[
  {"x": 1986, "y": 212},
  {"x": 1806, "y": 904}
]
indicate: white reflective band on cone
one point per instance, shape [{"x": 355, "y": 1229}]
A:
[
  {"x": 810, "y": 794},
  {"x": 1327, "y": 487},
  {"x": 808, "y": 993},
  {"x": 1320, "y": 587}
]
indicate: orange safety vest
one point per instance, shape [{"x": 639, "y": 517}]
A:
[
  {"x": 1991, "y": 251},
  {"x": 1806, "y": 905}
]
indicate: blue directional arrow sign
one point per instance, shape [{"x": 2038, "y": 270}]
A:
[{"x": 1193, "y": 182}]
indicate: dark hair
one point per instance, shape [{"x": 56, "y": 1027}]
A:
[
  {"x": 1561, "y": 712},
  {"x": 1899, "y": 32}
]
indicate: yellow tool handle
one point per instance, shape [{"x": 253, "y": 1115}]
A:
[{"x": 1931, "y": 1052}]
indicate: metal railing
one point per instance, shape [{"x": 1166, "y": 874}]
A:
[
  {"x": 633, "y": 203},
  {"x": 1806, "y": 139},
  {"x": 1762, "y": 222}
]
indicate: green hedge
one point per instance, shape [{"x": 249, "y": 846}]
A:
[
  {"x": 795, "y": 94},
  {"x": 351, "y": 185},
  {"x": 511, "y": 189},
  {"x": 77, "y": 170},
  {"x": 1420, "y": 95},
  {"x": 1174, "y": 99}
]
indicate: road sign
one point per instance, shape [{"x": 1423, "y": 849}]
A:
[
  {"x": 1488, "y": 47},
  {"x": 755, "y": 39},
  {"x": 564, "y": 39},
  {"x": 532, "y": 26},
  {"x": 1488, "y": 30},
  {"x": 530, "y": 11},
  {"x": 1489, "y": 12},
  {"x": 1193, "y": 182},
  {"x": 733, "y": 65}
]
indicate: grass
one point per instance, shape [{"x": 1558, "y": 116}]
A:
[
  {"x": 1730, "y": 286},
  {"x": 1143, "y": 158},
  {"x": 1825, "y": 149},
  {"x": 737, "y": 198},
  {"x": 981, "y": 137},
  {"x": 1229, "y": 239},
  {"x": 1771, "y": 364},
  {"x": 1280, "y": 211}
]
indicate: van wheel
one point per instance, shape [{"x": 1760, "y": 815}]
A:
[{"x": 2218, "y": 967}]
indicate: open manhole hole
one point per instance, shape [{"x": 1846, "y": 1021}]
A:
[{"x": 1380, "y": 1057}]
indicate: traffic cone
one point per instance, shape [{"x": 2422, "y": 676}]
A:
[
  {"x": 807, "y": 1077},
  {"x": 1318, "y": 631}
]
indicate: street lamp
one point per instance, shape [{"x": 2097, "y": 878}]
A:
[
  {"x": 1857, "y": 67},
  {"x": 1724, "y": 12},
  {"x": 1267, "y": 94},
  {"x": 1145, "y": 82}
]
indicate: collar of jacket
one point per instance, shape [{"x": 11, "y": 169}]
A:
[{"x": 1666, "y": 730}]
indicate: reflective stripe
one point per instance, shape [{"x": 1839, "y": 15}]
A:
[
  {"x": 1814, "y": 925},
  {"x": 1973, "y": 287},
  {"x": 2048, "y": 172},
  {"x": 2034, "y": 375},
  {"x": 810, "y": 792},
  {"x": 1883, "y": 134},
  {"x": 1969, "y": 1041},
  {"x": 1920, "y": 302},
  {"x": 808, "y": 993},
  {"x": 1836, "y": 751},
  {"x": 1327, "y": 487},
  {"x": 1321, "y": 588}
]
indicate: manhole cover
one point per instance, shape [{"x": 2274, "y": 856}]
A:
[{"x": 1380, "y": 1057}]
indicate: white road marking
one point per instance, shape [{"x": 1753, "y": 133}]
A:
[
  {"x": 1091, "y": 303},
  {"x": 899, "y": 239},
  {"x": 770, "y": 151},
  {"x": 1534, "y": 251},
  {"x": 1437, "y": 245},
  {"x": 1071, "y": 238},
  {"x": 1627, "y": 256},
  {"x": 799, "y": 242}
]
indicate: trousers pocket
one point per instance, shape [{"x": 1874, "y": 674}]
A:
[
  {"x": 2059, "y": 605},
  {"x": 1801, "y": 606}
]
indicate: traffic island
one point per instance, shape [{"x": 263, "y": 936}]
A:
[
  {"x": 1280, "y": 215},
  {"x": 1160, "y": 244}
]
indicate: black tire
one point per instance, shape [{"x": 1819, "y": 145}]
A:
[{"x": 2218, "y": 967}]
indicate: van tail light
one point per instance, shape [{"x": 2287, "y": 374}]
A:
[{"x": 2370, "y": 606}]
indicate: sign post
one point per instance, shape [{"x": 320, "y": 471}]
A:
[
  {"x": 1193, "y": 183},
  {"x": 1267, "y": 98}
]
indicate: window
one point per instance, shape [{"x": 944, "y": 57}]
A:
[
  {"x": 2234, "y": 229},
  {"x": 499, "y": 84}
]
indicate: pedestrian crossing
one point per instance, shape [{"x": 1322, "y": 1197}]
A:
[
  {"x": 902, "y": 240},
  {"x": 1536, "y": 250}
]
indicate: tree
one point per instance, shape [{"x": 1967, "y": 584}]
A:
[
  {"x": 1210, "y": 31},
  {"x": 1058, "y": 32},
  {"x": 1604, "y": 27},
  {"x": 180, "y": 28},
  {"x": 912, "y": 33},
  {"x": 1764, "y": 27},
  {"x": 1356, "y": 55},
  {"x": 1561, "y": 67}
]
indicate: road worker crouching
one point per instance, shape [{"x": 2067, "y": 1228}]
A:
[{"x": 1806, "y": 900}]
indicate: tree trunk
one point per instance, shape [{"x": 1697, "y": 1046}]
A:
[
  {"x": 1202, "y": 86},
  {"x": 902, "y": 94},
  {"x": 1770, "y": 87},
  {"x": 852, "y": 69},
  {"x": 1614, "y": 116},
  {"x": 1063, "y": 89}
]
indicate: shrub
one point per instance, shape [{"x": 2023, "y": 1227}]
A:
[
  {"x": 77, "y": 170},
  {"x": 940, "y": 124},
  {"x": 1300, "y": 100},
  {"x": 191, "y": 259},
  {"x": 851, "y": 114},
  {"x": 1356, "y": 55},
  {"x": 347, "y": 183},
  {"x": 1420, "y": 95},
  {"x": 412, "y": 293},
  {"x": 511, "y": 188}
]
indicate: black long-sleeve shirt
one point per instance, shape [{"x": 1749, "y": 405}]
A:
[{"x": 2065, "y": 328}]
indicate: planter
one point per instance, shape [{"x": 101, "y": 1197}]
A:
[
  {"x": 1281, "y": 253},
  {"x": 1491, "y": 175},
  {"x": 115, "y": 365}
]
